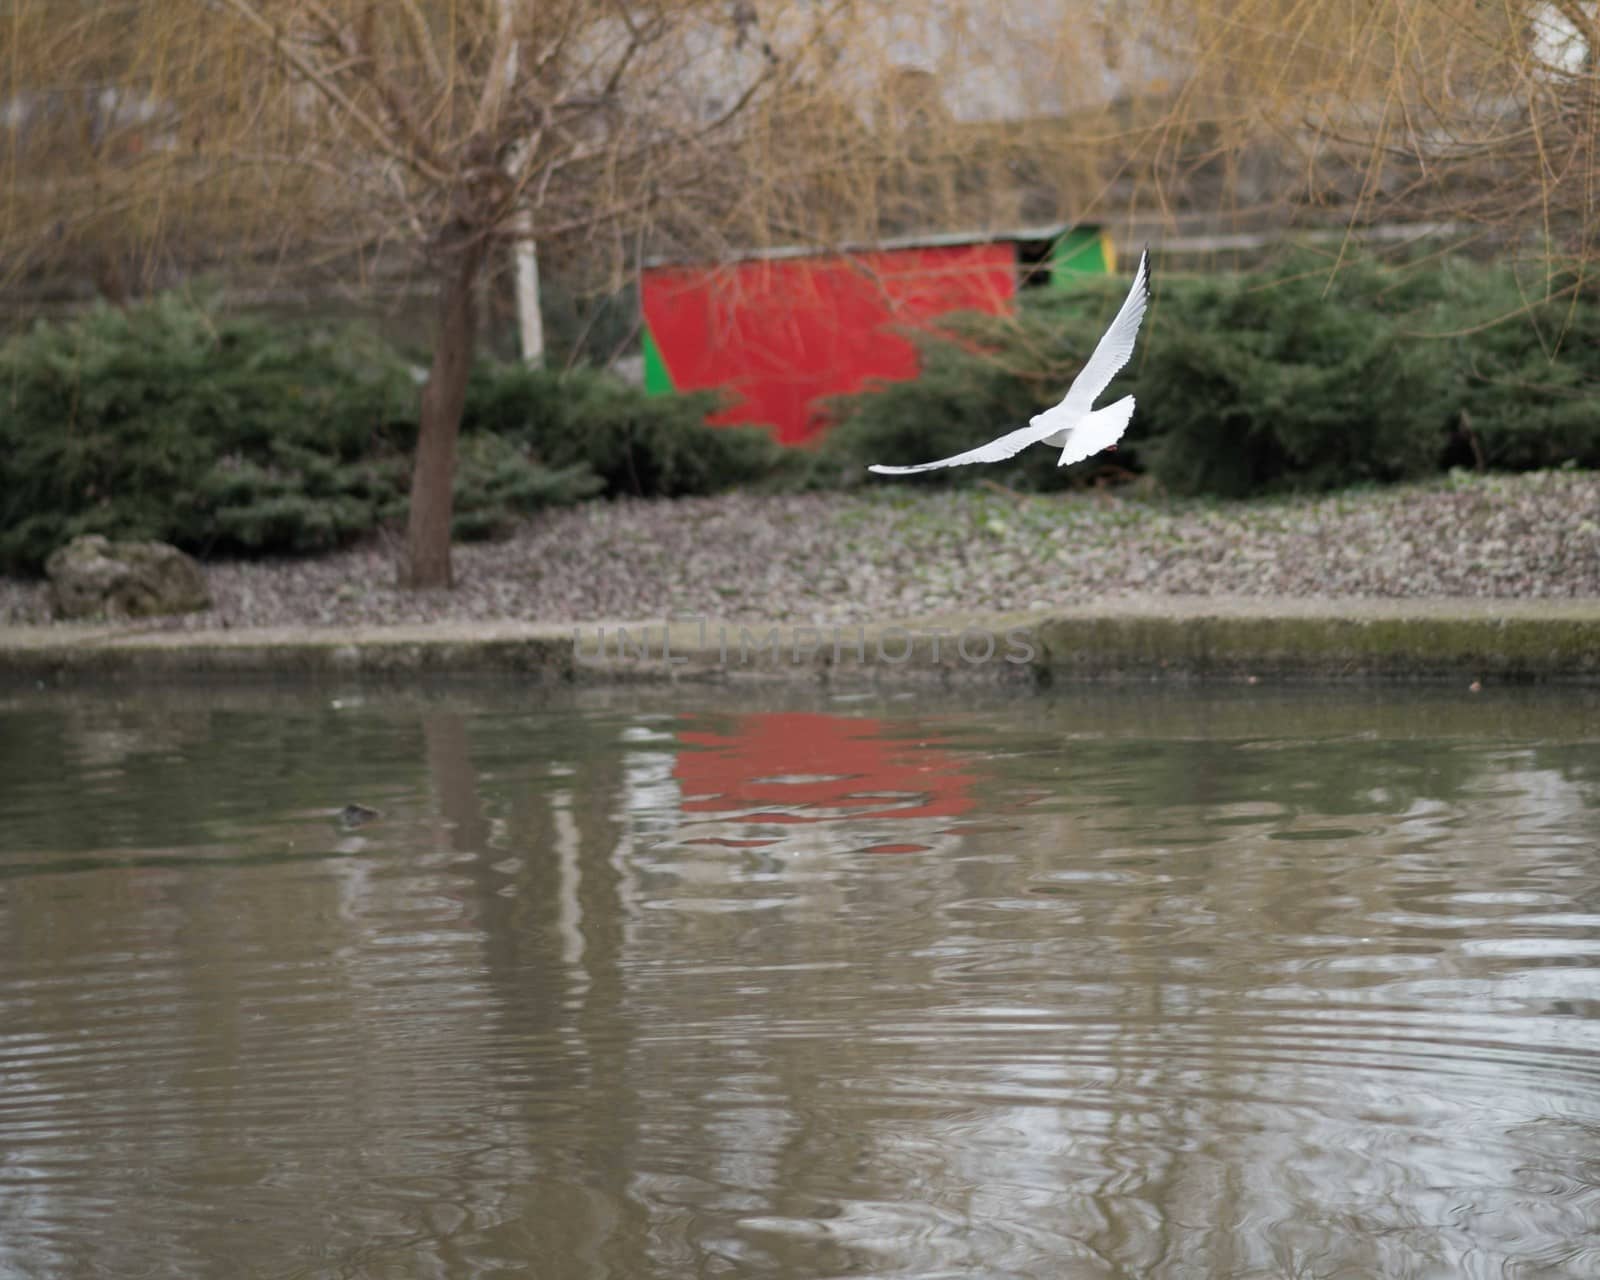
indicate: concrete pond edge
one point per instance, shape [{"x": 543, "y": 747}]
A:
[{"x": 1129, "y": 638}]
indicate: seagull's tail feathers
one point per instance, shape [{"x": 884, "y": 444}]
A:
[{"x": 1099, "y": 430}]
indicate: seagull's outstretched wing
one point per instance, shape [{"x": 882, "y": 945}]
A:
[
  {"x": 1111, "y": 353},
  {"x": 1013, "y": 442}
]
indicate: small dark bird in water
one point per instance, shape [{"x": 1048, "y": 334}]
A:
[{"x": 355, "y": 815}]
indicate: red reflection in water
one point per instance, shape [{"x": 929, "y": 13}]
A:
[{"x": 783, "y": 768}]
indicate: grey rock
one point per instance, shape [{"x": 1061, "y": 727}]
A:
[{"x": 93, "y": 577}]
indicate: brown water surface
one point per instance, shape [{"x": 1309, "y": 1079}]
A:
[{"x": 635, "y": 985}]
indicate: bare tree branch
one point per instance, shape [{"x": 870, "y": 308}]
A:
[{"x": 328, "y": 87}]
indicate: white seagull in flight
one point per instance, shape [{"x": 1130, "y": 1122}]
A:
[{"x": 1074, "y": 426}]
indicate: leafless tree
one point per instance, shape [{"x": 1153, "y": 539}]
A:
[{"x": 447, "y": 127}]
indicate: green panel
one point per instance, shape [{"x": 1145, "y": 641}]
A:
[
  {"x": 657, "y": 378},
  {"x": 1083, "y": 251}
]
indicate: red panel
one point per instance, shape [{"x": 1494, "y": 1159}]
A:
[{"x": 779, "y": 335}]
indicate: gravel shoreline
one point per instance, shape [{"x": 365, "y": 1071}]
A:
[{"x": 899, "y": 552}]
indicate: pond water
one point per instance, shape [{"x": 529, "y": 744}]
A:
[{"x": 632, "y": 984}]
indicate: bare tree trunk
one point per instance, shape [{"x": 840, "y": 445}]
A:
[{"x": 427, "y": 554}]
